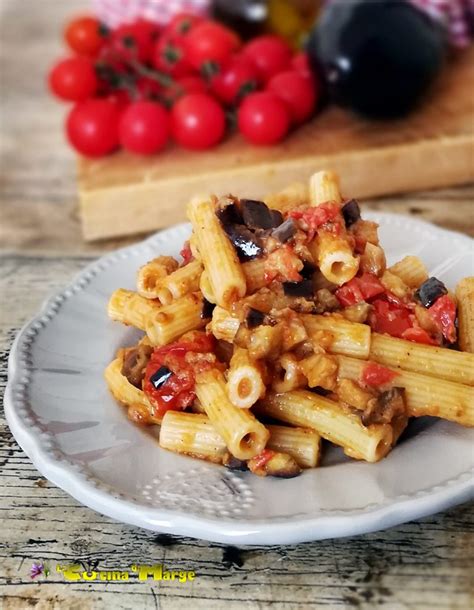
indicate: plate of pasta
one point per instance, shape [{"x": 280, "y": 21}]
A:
[{"x": 274, "y": 372}]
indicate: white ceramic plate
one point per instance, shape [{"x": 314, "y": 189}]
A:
[{"x": 62, "y": 415}]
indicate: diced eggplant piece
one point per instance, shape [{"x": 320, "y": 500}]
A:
[
  {"x": 207, "y": 309},
  {"x": 277, "y": 218},
  {"x": 135, "y": 363},
  {"x": 229, "y": 215},
  {"x": 430, "y": 291},
  {"x": 231, "y": 462},
  {"x": 257, "y": 215},
  {"x": 385, "y": 408},
  {"x": 285, "y": 231},
  {"x": 254, "y": 318},
  {"x": 279, "y": 465},
  {"x": 308, "y": 270},
  {"x": 351, "y": 212},
  {"x": 160, "y": 377},
  {"x": 247, "y": 245},
  {"x": 298, "y": 289}
]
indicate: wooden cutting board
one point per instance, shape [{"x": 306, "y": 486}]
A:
[{"x": 434, "y": 147}]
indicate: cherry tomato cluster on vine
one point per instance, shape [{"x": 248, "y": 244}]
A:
[{"x": 141, "y": 85}]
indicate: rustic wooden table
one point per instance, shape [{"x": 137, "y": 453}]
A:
[{"x": 424, "y": 564}]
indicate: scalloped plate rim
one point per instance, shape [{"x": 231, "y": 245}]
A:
[{"x": 325, "y": 525}]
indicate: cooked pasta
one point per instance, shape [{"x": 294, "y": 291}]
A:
[
  {"x": 434, "y": 361},
  {"x": 220, "y": 261},
  {"x": 465, "y": 297},
  {"x": 282, "y": 326},
  {"x": 171, "y": 321},
  {"x": 410, "y": 270},
  {"x": 244, "y": 380},
  {"x": 424, "y": 395},
  {"x": 332, "y": 422},
  {"x": 243, "y": 434}
]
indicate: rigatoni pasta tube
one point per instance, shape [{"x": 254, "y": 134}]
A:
[
  {"x": 303, "y": 444},
  {"x": 173, "y": 320},
  {"x": 132, "y": 309},
  {"x": 348, "y": 338},
  {"x": 424, "y": 395},
  {"x": 334, "y": 257},
  {"x": 218, "y": 255},
  {"x": 243, "y": 434},
  {"x": 411, "y": 270},
  {"x": 465, "y": 298},
  {"x": 173, "y": 286},
  {"x": 223, "y": 325},
  {"x": 427, "y": 359},
  {"x": 244, "y": 380},
  {"x": 191, "y": 434},
  {"x": 331, "y": 421},
  {"x": 324, "y": 186},
  {"x": 140, "y": 409}
]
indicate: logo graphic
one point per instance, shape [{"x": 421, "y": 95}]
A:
[{"x": 37, "y": 569}]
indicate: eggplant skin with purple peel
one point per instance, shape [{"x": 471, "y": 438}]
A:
[{"x": 377, "y": 58}]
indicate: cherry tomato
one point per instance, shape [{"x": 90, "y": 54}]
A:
[
  {"x": 144, "y": 128},
  {"x": 235, "y": 81},
  {"x": 443, "y": 312},
  {"x": 418, "y": 335},
  {"x": 120, "y": 97},
  {"x": 198, "y": 121},
  {"x": 297, "y": 91},
  {"x": 182, "y": 86},
  {"x": 375, "y": 374},
  {"x": 182, "y": 23},
  {"x": 300, "y": 63},
  {"x": 210, "y": 42},
  {"x": 74, "y": 79},
  {"x": 270, "y": 54},
  {"x": 85, "y": 36},
  {"x": 133, "y": 41},
  {"x": 92, "y": 127},
  {"x": 263, "y": 118},
  {"x": 170, "y": 57}
]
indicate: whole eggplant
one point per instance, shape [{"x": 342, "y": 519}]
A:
[{"x": 377, "y": 58}]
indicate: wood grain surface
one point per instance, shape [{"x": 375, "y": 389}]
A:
[
  {"x": 124, "y": 194},
  {"x": 427, "y": 564}
]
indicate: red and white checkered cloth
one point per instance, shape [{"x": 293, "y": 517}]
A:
[
  {"x": 456, "y": 15},
  {"x": 116, "y": 12}
]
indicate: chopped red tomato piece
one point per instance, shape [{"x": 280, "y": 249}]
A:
[
  {"x": 443, "y": 313},
  {"x": 359, "y": 289},
  {"x": 186, "y": 253},
  {"x": 284, "y": 265},
  {"x": 375, "y": 374},
  {"x": 262, "y": 458},
  {"x": 389, "y": 318},
  {"x": 177, "y": 392},
  {"x": 370, "y": 285},
  {"x": 349, "y": 294},
  {"x": 418, "y": 335},
  {"x": 314, "y": 217}
]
